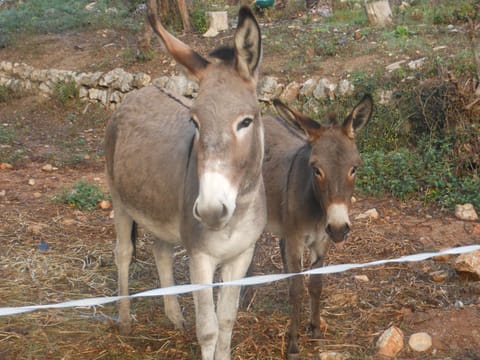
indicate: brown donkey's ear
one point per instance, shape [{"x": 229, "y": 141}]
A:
[
  {"x": 181, "y": 52},
  {"x": 359, "y": 116},
  {"x": 248, "y": 44},
  {"x": 310, "y": 127}
]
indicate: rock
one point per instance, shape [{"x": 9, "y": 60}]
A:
[
  {"x": 390, "y": 343},
  {"x": 415, "y": 64},
  {"x": 469, "y": 263},
  {"x": 395, "y": 65},
  {"x": 6, "y": 166},
  {"x": 105, "y": 204},
  {"x": 269, "y": 88},
  {"x": 6, "y": 66},
  {"x": 361, "y": 278},
  {"x": 112, "y": 214},
  {"x": 141, "y": 79},
  {"x": 331, "y": 355},
  {"x": 31, "y": 182},
  {"x": 3, "y": 193},
  {"x": 37, "y": 195},
  {"x": 466, "y": 212},
  {"x": 324, "y": 89},
  {"x": 439, "y": 276},
  {"x": 161, "y": 81},
  {"x": 291, "y": 92},
  {"x": 177, "y": 84},
  {"x": 96, "y": 94},
  {"x": 369, "y": 214},
  {"x": 49, "y": 168},
  {"x": 308, "y": 87},
  {"x": 88, "y": 79},
  {"x": 117, "y": 79},
  {"x": 218, "y": 21},
  {"x": 344, "y": 87},
  {"x": 420, "y": 342}
]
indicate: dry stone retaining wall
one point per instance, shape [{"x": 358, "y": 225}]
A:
[{"x": 109, "y": 88}]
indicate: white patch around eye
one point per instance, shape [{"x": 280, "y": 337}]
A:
[
  {"x": 240, "y": 130},
  {"x": 337, "y": 214}
]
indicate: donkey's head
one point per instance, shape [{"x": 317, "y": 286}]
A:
[
  {"x": 228, "y": 142},
  {"x": 333, "y": 161}
]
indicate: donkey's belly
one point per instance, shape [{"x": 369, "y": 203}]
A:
[{"x": 165, "y": 230}]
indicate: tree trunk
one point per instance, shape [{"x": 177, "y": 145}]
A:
[{"x": 379, "y": 13}]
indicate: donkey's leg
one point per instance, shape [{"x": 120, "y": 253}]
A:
[
  {"x": 163, "y": 253},
  {"x": 318, "y": 251},
  {"x": 293, "y": 263},
  {"x": 202, "y": 269},
  {"x": 228, "y": 298},
  {"x": 123, "y": 256}
]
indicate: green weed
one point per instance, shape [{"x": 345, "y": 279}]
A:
[
  {"x": 65, "y": 91},
  {"x": 82, "y": 195}
]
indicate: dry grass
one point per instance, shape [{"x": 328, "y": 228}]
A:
[{"x": 79, "y": 264}]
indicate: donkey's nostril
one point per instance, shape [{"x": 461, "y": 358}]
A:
[
  {"x": 346, "y": 229},
  {"x": 224, "y": 211}
]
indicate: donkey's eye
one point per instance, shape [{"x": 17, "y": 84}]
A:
[
  {"x": 244, "y": 123},
  {"x": 317, "y": 171},
  {"x": 353, "y": 171}
]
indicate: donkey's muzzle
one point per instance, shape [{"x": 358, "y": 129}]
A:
[
  {"x": 337, "y": 233},
  {"x": 214, "y": 217}
]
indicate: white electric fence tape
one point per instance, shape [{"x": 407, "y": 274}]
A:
[{"x": 253, "y": 280}]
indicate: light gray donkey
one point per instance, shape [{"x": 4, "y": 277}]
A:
[
  {"x": 193, "y": 176},
  {"x": 309, "y": 173}
]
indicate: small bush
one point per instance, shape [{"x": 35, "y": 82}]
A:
[
  {"x": 199, "y": 19},
  {"x": 82, "y": 195},
  {"x": 4, "y": 93},
  {"x": 65, "y": 91}
]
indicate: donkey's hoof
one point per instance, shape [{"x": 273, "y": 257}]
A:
[
  {"x": 315, "y": 332},
  {"x": 293, "y": 352}
]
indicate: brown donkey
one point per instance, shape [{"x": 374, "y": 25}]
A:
[
  {"x": 309, "y": 173},
  {"x": 193, "y": 176}
]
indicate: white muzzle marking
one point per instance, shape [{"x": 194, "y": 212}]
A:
[
  {"x": 216, "y": 200},
  {"x": 337, "y": 215}
]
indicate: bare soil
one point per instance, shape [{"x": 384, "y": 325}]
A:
[{"x": 79, "y": 261}]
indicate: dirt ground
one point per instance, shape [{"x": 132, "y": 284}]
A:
[{"x": 79, "y": 261}]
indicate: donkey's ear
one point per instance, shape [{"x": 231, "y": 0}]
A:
[
  {"x": 181, "y": 52},
  {"x": 310, "y": 127},
  {"x": 248, "y": 44},
  {"x": 359, "y": 116}
]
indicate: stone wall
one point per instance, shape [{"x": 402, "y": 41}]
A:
[{"x": 109, "y": 88}]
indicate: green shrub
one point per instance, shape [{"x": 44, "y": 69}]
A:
[
  {"x": 4, "y": 93},
  {"x": 199, "y": 19},
  {"x": 82, "y": 195},
  {"x": 65, "y": 91}
]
